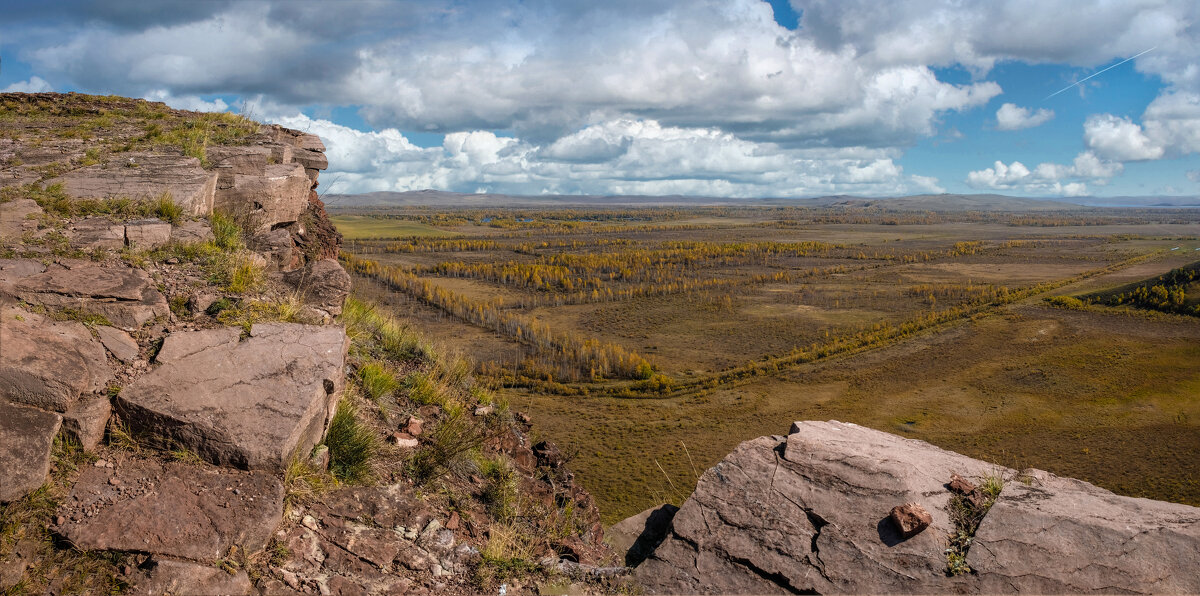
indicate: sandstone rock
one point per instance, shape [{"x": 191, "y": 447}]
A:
[
  {"x": 15, "y": 218},
  {"x": 324, "y": 284},
  {"x": 246, "y": 160},
  {"x": 97, "y": 232},
  {"x": 118, "y": 343},
  {"x": 168, "y": 576},
  {"x": 1047, "y": 534},
  {"x": 403, "y": 440},
  {"x": 13, "y": 269},
  {"x": 205, "y": 516},
  {"x": 251, "y": 404},
  {"x": 147, "y": 233},
  {"x": 961, "y": 485},
  {"x": 311, "y": 160},
  {"x": 126, "y": 296},
  {"x": 636, "y": 537},
  {"x": 809, "y": 512},
  {"x": 192, "y": 231},
  {"x": 910, "y": 519},
  {"x": 48, "y": 364},
  {"x": 86, "y": 420},
  {"x": 277, "y": 197},
  {"x": 26, "y": 438},
  {"x": 275, "y": 246},
  {"x": 548, "y": 454},
  {"x": 414, "y": 426},
  {"x": 484, "y": 410},
  {"x": 146, "y": 176},
  {"x": 319, "y": 459}
]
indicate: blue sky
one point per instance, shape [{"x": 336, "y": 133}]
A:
[{"x": 738, "y": 98}]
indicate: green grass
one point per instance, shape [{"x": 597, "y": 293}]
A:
[
  {"x": 360, "y": 227},
  {"x": 352, "y": 444},
  {"x": 377, "y": 380}
]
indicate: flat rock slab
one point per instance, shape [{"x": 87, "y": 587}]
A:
[
  {"x": 48, "y": 364},
  {"x": 172, "y": 509},
  {"x": 26, "y": 438},
  {"x": 168, "y": 576},
  {"x": 809, "y": 513},
  {"x": 118, "y": 343},
  {"x": 636, "y": 537},
  {"x": 252, "y": 403},
  {"x": 147, "y": 233},
  {"x": 146, "y": 176},
  {"x": 15, "y": 218},
  {"x": 126, "y": 296}
]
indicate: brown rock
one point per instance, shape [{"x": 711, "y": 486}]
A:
[
  {"x": 147, "y": 233},
  {"x": 16, "y": 218},
  {"x": 97, "y": 232},
  {"x": 118, "y": 343},
  {"x": 251, "y": 404},
  {"x": 324, "y": 284},
  {"x": 403, "y": 440},
  {"x": 275, "y": 246},
  {"x": 910, "y": 519},
  {"x": 414, "y": 426},
  {"x": 48, "y": 364},
  {"x": 453, "y": 522},
  {"x": 167, "y": 576},
  {"x": 126, "y": 296},
  {"x": 86, "y": 420},
  {"x": 634, "y": 538},
  {"x": 146, "y": 176},
  {"x": 961, "y": 485},
  {"x": 26, "y": 437},
  {"x": 278, "y": 196},
  {"x": 132, "y": 516},
  {"x": 190, "y": 232},
  {"x": 548, "y": 454}
]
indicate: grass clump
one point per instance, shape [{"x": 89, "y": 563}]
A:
[
  {"x": 966, "y": 513},
  {"x": 351, "y": 444},
  {"x": 452, "y": 439},
  {"x": 227, "y": 233},
  {"x": 377, "y": 380}
]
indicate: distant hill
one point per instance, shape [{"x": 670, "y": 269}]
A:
[{"x": 942, "y": 202}]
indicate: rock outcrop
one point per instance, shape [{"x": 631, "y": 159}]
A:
[
  {"x": 27, "y": 435},
  {"x": 809, "y": 513}
]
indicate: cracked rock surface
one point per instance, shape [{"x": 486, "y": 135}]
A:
[{"x": 808, "y": 513}]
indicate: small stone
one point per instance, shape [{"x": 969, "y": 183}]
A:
[
  {"x": 60, "y": 520},
  {"x": 910, "y": 519},
  {"x": 403, "y": 440},
  {"x": 310, "y": 522},
  {"x": 172, "y": 261},
  {"x": 114, "y": 481},
  {"x": 414, "y": 426},
  {"x": 452, "y": 523},
  {"x": 237, "y": 491},
  {"x": 100, "y": 463},
  {"x": 523, "y": 417},
  {"x": 484, "y": 410},
  {"x": 961, "y": 485}
]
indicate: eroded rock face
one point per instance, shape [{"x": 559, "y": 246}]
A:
[
  {"x": 278, "y": 196},
  {"x": 146, "y": 176},
  {"x": 27, "y": 436},
  {"x": 126, "y": 296},
  {"x": 168, "y": 576},
  {"x": 252, "y": 404},
  {"x": 323, "y": 284},
  {"x": 174, "y": 509},
  {"x": 810, "y": 513},
  {"x": 15, "y": 218},
  {"x": 48, "y": 364}
]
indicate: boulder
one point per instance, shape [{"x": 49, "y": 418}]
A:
[
  {"x": 26, "y": 436},
  {"x": 634, "y": 538},
  {"x": 910, "y": 519},
  {"x": 48, "y": 364},
  {"x": 810, "y": 513},
  {"x": 192, "y": 231},
  {"x": 147, "y": 233},
  {"x": 126, "y": 296},
  {"x": 252, "y": 404},
  {"x": 86, "y": 420},
  {"x": 277, "y": 197},
  {"x": 323, "y": 284},
  {"x": 146, "y": 176},
  {"x": 16, "y": 218},
  {"x": 168, "y": 576},
  {"x": 118, "y": 343},
  {"x": 275, "y": 246},
  {"x": 97, "y": 232},
  {"x": 172, "y": 509}
]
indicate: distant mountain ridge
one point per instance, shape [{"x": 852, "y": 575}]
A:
[{"x": 939, "y": 202}]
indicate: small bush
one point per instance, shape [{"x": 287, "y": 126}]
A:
[
  {"x": 1069, "y": 302},
  {"x": 351, "y": 444},
  {"x": 453, "y": 438},
  {"x": 500, "y": 495},
  {"x": 227, "y": 234},
  {"x": 422, "y": 389}
]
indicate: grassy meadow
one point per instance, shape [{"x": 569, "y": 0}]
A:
[{"x": 649, "y": 342}]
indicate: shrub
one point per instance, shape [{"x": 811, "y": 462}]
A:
[
  {"x": 377, "y": 380},
  {"x": 351, "y": 444},
  {"x": 450, "y": 441}
]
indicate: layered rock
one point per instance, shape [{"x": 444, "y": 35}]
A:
[
  {"x": 48, "y": 364},
  {"x": 253, "y": 404},
  {"x": 27, "y": 435},
  {"x": 125, "y": 296},
  {"x": 175, "y": 509},
  {"x": 146, "y": 176},
  {"x": 809, "y": 513}
]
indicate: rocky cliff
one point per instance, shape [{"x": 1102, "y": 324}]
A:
[
  {"x": 839, "y": 508},
  {"x": 186, "y": 408}
]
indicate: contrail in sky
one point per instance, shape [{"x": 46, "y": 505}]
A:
[{"x": 1098, "y": 73}]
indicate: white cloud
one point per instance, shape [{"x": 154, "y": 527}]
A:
[
  {"x": 1013, "y": 117},
  {"x": 1047, "y": 178},
  {"x": 1193, "y": 175},
  {"x": 187, "y": 102},
  {"x": 1172, "y": 121},
  {"x": 35, "y": 84},
  {"x": 650, "y": 159},
  {"x": 1119, "y": 138}
]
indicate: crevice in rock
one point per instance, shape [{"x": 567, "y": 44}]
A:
[{"x": 776, "y": 578}]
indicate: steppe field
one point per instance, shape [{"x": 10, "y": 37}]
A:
[{"x": 648, "y": 342}]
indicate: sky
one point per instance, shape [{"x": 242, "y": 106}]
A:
[{"x": 729, "y": 98}]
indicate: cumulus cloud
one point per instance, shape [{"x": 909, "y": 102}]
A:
[
  {"x": 1010, "y": 116},
  {"x": 1119, "y": 138},
  {"x": 187, "y": 102},
  {"x": 650, "y": 159},
  {"x": 35, "y": 84},
  {"x": 1047, "y": 178}
]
